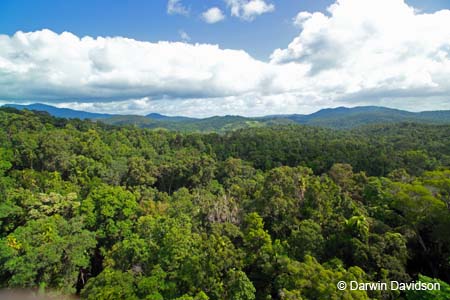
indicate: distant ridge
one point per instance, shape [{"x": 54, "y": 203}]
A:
[
  {"x": 344, "y": 117},
  {"x": 337, "y": 118},
  {"x": 79, "y": 114},
  {"x": 60, "y": 112},
  {"x": 156, "y": 116}
]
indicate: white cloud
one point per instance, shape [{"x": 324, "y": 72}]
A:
[
  {"x": 213, "y": 15},
  {"x": 175, "y": 7},
  {"x": 372, "y": 48},
  {"x": 184, "y": 35},
  {"x": 362, "y": 52},
  {"x": 302, "y": 17},
  {"x": 43, "y": 65},
  {"x": 249, "y": 9},
  {"x": 253, "y": 104}
]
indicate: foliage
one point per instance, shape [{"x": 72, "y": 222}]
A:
[{"x": 276, "y": 212}]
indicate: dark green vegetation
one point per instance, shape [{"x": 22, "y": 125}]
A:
[
  {"x": 280, "y": 212},
  {"x": 337, "y": 118}
]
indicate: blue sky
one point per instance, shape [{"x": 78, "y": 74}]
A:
[
  {"x": 147, "y": 20},
  {"x": 324, "y": 59}
]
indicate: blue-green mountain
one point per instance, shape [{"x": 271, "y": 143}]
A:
[{"x": 338, "y": 118}]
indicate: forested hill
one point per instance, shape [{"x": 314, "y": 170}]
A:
[
  {"x": 343, "y": 117},
  {"x": 60, "y": 112},
  {"x": 278, "y": 212},
  {"x": 337, "y": 118}
]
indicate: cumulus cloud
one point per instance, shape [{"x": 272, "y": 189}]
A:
[
  {"x": 372, "y": 47},
  {"x": 44, "y": 65},
  {"x": 361, "y": 52},
  {"x": 303, "y": 16},
  {"x": 249, "y": 9},
  {"x": 213, "y": 15},
  {"x": 175, "y": 7}
]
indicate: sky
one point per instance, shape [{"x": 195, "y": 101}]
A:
[{"x": 219, "y": 57}]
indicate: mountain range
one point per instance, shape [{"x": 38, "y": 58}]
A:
[
  {"x": 338, "y": 118},
  {"x": 60, "y": 112}
]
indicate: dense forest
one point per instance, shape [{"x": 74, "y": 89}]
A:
[
  {"x": 335, "y": 118},
  {"x": 277, "y": 212}
]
